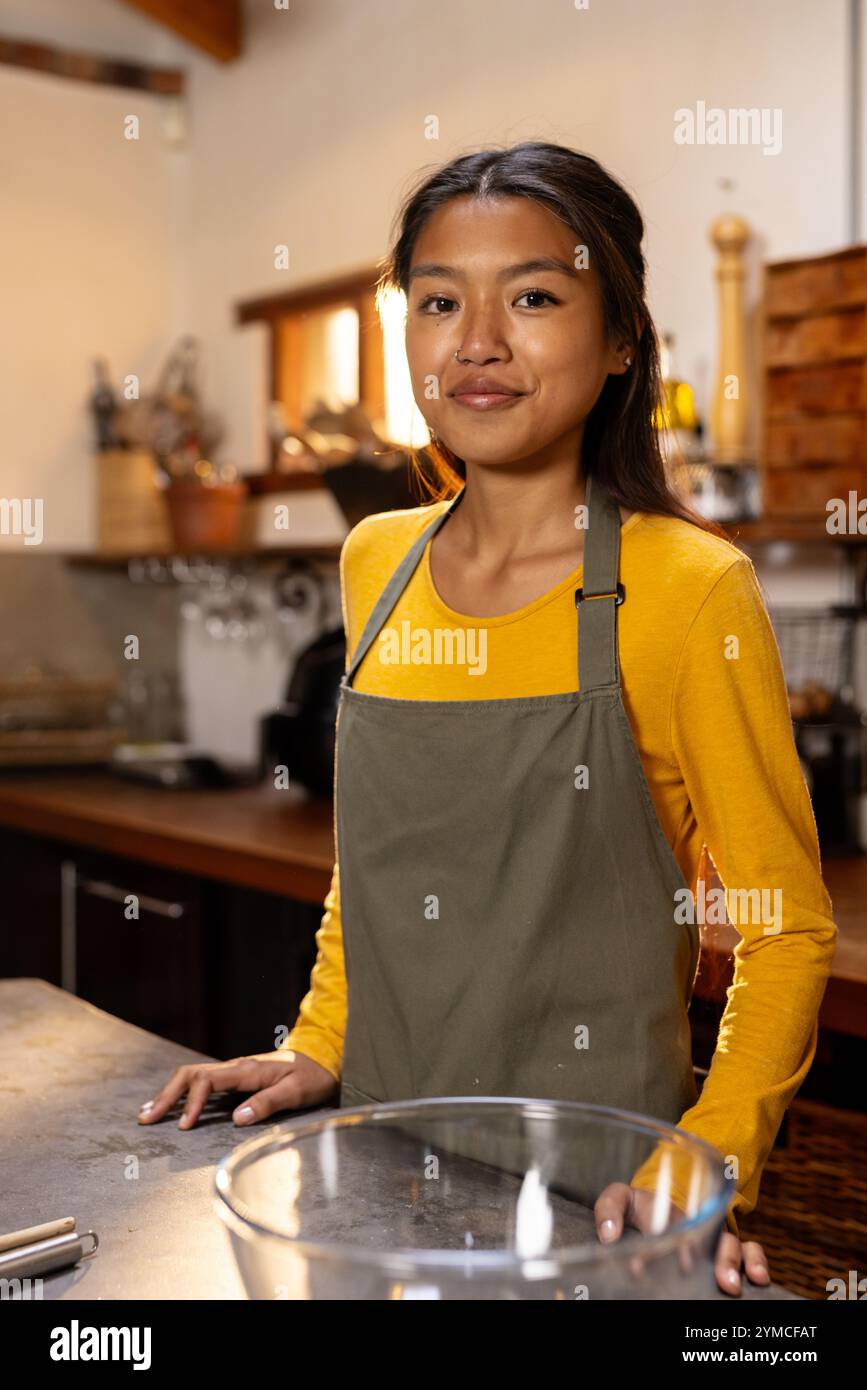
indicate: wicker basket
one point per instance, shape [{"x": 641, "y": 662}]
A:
[{"x": 811, "y": 1215}]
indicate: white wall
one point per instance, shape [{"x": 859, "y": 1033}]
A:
[
  {"x": 91, "y": 251},
  {"x": 310, "y": 139},
  {"x": 322, "y": 126}
]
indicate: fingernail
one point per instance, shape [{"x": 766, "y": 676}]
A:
[
  {"x": 183, "y": 1122},
  {"x": 733, "y": 1279},
  {"x": 608, "y": 1229},
  {"x": 148, "y": 1105},
  {"x": 244, "y": 1115}
]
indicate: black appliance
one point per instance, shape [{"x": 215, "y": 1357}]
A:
[
  {"x": 300, "y": 733},
  {"x": 817, "y": 648}
]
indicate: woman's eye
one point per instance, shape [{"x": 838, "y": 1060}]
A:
[
  {"x": 537, "y": 294},
  {"x": 435, "y": 299},
  {"x": 436, "y": 304}
]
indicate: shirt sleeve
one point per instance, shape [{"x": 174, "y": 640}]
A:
[
  {"x": 320, "y": 1028},
  {"x": 321, "y": 1024},
  {"x": 731, "y": 734}
]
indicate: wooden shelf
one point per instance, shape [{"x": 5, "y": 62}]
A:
[
  {"x": 766, "y": 530},
  {"x": 120, "y": 560},
  {"x": 760, "y": 531}
]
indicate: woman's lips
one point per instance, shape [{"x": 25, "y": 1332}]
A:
[{"x": 487, "y": 400}]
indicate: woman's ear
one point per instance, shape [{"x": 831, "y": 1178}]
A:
[
  {"x": 626, "y": 348},
  {"x": 622, "y": 357}
]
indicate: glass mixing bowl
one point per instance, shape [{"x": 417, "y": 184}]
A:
[{"x": 470, "y": 1198}]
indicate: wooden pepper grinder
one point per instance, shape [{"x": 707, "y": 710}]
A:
[{"x": 729, "y": 235}]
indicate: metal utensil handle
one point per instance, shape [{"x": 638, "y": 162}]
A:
[{"x": 46, "y": 1255}]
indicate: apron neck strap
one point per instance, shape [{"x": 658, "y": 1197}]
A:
[
  {"x": 595, "y": 602},
  {"x": 395, "y": 587},
  {"x": 599, "y": 598}
]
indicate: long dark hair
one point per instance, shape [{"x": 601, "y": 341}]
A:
[{"x": 621, "y": 443}]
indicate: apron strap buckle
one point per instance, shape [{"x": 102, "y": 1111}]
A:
[{"x": 619, "y": 596}]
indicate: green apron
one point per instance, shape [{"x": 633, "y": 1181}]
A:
[{"x": 509, "y": 930}]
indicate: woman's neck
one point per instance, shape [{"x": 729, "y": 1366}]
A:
[{"x": 515, "y": 512}]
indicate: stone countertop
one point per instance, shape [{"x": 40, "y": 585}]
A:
[{"x": 72, "y": 1079}]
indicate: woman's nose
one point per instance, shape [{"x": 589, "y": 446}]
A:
[{"x": 481, "y": 335}]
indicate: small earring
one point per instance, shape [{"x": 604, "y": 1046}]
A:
[{"x": 628, "y": 362}]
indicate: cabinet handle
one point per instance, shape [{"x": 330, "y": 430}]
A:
[
  {"x": 99, "y": 889},
  {"x": 68, "y": 927}
]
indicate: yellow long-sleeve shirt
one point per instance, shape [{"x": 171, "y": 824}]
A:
[{"x": 705, "y": 694}]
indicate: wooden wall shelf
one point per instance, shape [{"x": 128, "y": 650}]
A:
[
  {"x": 761, "y": 531},
  {"x": 110, "y": 560},
  {"x": 767, "y": 530}
]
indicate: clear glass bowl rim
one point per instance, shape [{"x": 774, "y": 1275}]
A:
[{"x": 713, "y": 1208}]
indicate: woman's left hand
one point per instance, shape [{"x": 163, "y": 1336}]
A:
[{"x": 618, "y": 1204}]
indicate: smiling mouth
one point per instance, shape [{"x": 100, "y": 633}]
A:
[{"x": 487, "y": 400}]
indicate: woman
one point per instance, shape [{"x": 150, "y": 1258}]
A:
[{"x": 562, "y": 685}]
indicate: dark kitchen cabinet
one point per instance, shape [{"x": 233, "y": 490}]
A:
[
  {"x": 261, "y": 950},
  {"x": 210, "y": 965},
  {"x": 139, "y": 947},
  {"x": 30, "y": 908}
]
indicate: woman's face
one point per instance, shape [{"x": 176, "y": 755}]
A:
[{"x": 475, "y": 290}]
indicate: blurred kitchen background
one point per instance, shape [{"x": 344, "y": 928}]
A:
[{"x": 202, "y": 395}]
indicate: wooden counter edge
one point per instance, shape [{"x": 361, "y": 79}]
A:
[{"x": 295, "y": 879}]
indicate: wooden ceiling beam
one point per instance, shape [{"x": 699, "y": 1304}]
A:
[
  {"x": 90, "y": 67},
  {"x": 214, "y": 26}
]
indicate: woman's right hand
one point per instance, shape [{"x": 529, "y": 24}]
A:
[{"x": 282, "y": 1080}]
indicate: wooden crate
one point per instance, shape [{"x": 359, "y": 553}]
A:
[
  {"x": 812, "y": 286},
  {"x": 812, "y": 390},
  {"x": 805, "y": 492},
  {"x": 814, "y": 437},
  {"x": 820, "y": 338}
]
